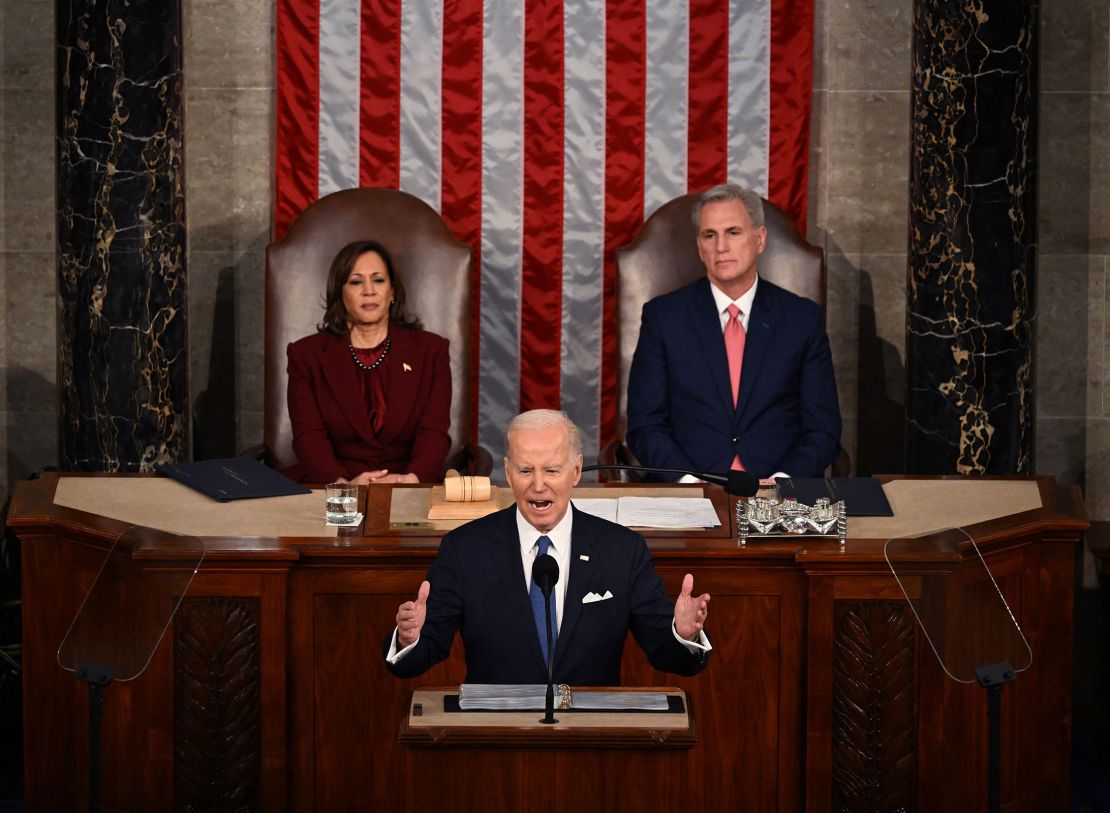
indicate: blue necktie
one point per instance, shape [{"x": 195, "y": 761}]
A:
[{"x": 537, "y": 606}]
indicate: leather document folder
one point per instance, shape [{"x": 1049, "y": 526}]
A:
[
  {"x": 233, "y": 478},
  {"x": 862, "y": 496}
]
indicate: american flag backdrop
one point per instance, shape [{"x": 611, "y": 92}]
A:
[{"x": 544, "y": 132}]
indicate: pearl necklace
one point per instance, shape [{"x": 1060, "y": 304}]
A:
[{"x": 379, "y": 360}]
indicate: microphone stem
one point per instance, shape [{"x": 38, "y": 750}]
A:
[{"x": 549, "y": 701}]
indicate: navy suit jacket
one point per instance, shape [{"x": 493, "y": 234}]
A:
[
  {"x": 479, "y": 589},
  {"x": 332, "y": 436},
  {"x": 680, "y": 411}
]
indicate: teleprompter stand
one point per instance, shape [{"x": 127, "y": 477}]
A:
[
  {"x": 125, "y": 614},
  {"x": 953, "y": 587}
]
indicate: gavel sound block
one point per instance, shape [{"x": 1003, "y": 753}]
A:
[{"x": 463, "y": 498}]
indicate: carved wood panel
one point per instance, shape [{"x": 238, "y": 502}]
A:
[
  {"x": 217, "y": 716},
  {"x": 874, "y": 734}
]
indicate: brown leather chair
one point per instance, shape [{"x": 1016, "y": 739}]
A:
[
  {"x": 436, "y": 272},
  {"x": 664, "y": 256}
]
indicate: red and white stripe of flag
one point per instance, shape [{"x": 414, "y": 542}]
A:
[{"x": 544, "y": 132}]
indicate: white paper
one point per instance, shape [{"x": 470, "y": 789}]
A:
[
  {"x": 525, "y": 697},
  {"x": 603, "y": 507},
  {"x": 620, "y": 701},
  {"x": 498, "y": 696},
  {"x": 667, "y": 512}
]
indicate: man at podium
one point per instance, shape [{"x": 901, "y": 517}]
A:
[{"x": 481, "y": 585}]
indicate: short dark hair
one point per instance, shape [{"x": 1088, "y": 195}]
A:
[
  {"x": 335, "y": 312},
  {"x": 729, "y": 191}
]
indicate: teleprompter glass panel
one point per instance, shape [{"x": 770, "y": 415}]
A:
[
  {"x": 957, "y": 602},
  {"x": 132, "y": 601}
]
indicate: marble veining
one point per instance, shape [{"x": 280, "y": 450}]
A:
[
  {"x": 970, "y": 308},
  {"x": 123, "y": 364}
]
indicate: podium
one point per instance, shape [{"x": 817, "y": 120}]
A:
[
  {"x": 431, "y": 724},
  {"x": 508, "y": 760},
  {"x": 821, "y": 694}
]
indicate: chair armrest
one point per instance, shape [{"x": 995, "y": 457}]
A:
[
  {"x": 842, "y": 466},
  {"x": 259, "y": 451},
  {"x": 618, "y": 454},
  {"x": 471, "y": 459}
]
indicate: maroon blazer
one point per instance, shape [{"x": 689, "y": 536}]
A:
[{"x": 332, "y": 436}]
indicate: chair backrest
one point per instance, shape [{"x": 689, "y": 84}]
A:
[
  {"x": 664, "y": 256},
  {"x": 435, "y": 268}
]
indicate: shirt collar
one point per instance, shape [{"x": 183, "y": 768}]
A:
[
  {"x": 559, "y": 535},
  {"x": 744, "y": 303}
]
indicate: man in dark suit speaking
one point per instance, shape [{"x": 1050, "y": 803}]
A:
[
  {"x": 480, "y": 583},
  {"x": 732, "y": 371}
]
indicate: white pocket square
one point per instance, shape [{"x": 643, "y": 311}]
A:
[{"x": 591, "y": 597}]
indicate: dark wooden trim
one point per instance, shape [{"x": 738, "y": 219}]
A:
[{"x": 772, "y": 734}]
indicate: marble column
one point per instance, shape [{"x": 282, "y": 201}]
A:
[
  {"x": 970, "y": 308},
  {"x": 122, "y": 372}
]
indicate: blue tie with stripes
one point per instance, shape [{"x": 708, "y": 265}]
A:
[{"x": 537, "y": 606}]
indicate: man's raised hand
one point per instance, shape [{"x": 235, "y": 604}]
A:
[
  {"x": 411, "y": 614},
  {"x": 690, "y": 611}
]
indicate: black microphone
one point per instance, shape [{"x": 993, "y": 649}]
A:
[
  {"x": 545, "y": 575},
  {"x": 736, "y": 483}
]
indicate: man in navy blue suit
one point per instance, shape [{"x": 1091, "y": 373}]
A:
[
  {"x": 480, "y": 583},
  {"x": 732, "y": 371}
]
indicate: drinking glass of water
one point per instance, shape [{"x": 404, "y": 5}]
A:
[{"x": 341, "y": 504}]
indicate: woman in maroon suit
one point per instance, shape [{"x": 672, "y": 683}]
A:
[{"x": 370, "y": 393}]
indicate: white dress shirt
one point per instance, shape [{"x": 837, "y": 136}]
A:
[
  {"x": 559, "y": 550},
  {"x": 560, "y": 537},
  {"x": 744, "y": 303}
]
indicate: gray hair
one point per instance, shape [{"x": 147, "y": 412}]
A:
[
  {"x": 546, "y": 419},
  {"x": 730, "y": 191}
]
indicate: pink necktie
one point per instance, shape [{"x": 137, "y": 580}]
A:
[{"x": 734, "y": 347}]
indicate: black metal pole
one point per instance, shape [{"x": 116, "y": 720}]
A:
[
  {"x": 992, "y": 678},
  {"x": 549, "y": 701},
  {"x": 96, "y": 708},
  {"x": 97, "y": 676},
  {"x": 994, "y": 748}
]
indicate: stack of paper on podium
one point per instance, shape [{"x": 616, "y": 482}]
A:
[
  {"x": 527, "y": 697},
  {"x": 653, "y": 512}
]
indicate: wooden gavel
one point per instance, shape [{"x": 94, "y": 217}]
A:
[{"x": 458, "y": 488}]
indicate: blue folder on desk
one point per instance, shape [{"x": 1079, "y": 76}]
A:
[
  {"x": 862, "y": 496},
  {"x": 233, "y": 478}
]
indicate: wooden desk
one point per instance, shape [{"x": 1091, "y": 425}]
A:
[{"x": 821, "y": 695}]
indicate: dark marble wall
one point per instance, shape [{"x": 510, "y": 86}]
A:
[
  {"x": 970, "y": 308},
  {"x": 123, "y": 361}
]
